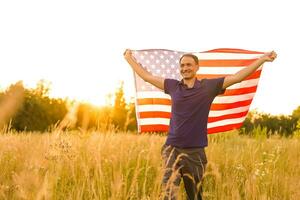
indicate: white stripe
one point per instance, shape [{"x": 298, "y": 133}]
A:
[
  {"x": 226, "y": 122},
  {"x": 154, "y": 107},
  {"x": 153, "y": 94},
  {"x": 234, "y": 98},
  {"x": 217, "y": 113},
  {"x": 226, "y": 56},
  {"x": 219, "y": 70},
  {"x": 152, "y": 121},
  {"x": 244, "y": 84},
  {"x": 212, "y": 113}
]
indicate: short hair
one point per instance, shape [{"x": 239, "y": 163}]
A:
[{"x": 195, "y": 58}]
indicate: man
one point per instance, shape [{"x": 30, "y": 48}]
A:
[{"x": 183, "y": 153}]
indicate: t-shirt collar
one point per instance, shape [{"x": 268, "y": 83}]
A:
[{"x": 196, "y": 84}]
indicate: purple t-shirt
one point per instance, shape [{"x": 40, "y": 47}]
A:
[{"x": 190, "y": 108}]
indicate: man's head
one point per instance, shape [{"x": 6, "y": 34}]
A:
[{"x": 188, "y": 66}]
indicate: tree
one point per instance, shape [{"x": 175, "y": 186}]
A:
[
  {"x": 119, "y": 112},
  {"x": 131, "y": 123},
  {"x": 280, "y": 124},
  {"x": 296, "y": 113},
  {"x": 10, "y": 102},
  {"x": 38, "y": 111}
]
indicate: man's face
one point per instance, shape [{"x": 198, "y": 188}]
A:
[{"x": 188, "y": 68}]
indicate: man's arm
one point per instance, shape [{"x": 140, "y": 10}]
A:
[
  {"x": 145, "y": 75},
  {"x": 242, "y": 74}
]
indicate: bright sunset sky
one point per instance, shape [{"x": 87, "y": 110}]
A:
[{"x": 78, "y": 45}]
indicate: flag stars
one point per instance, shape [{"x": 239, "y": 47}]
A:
[{"x": 161, "y": 63}]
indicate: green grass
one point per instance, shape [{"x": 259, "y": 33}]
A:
[{"x": 120, "y": 166}]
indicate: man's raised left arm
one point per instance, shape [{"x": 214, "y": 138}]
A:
[{"x": 242, "y": 74}]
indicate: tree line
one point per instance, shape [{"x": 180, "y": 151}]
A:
[
  {"x": 267, "y": 124},
  {"x": 23, "y": 109}
]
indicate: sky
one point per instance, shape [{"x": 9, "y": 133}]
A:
[{"x": 78, "y": 46}]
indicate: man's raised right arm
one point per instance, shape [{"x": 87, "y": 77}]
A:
[{"x": 144, "y": 74}]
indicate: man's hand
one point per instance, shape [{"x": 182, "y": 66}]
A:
[
  {"x": 127, "y": 54},
  {"x": 270, "y": 56}
]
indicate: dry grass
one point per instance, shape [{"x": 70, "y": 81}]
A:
[{"x": 126, "y": 166}]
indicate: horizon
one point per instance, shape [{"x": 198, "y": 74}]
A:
[{"x": 110, "y": 96}]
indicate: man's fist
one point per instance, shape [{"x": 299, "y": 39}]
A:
[
  {"x": 270, "y": 56},
  {"x": 127, "y": 53}
]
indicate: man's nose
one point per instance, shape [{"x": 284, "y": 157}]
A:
[{"x": 184, "y": 68}]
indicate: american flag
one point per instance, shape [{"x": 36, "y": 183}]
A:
[{"x": 227, "y": 112}]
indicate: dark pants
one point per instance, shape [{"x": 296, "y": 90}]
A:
[{"x": 188, "y": 164}]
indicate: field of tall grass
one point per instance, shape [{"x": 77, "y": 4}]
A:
[{"x": 93, "y": 165}]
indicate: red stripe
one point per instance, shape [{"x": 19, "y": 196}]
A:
[
  {"x": 224, "y": 106},
  {"x": 214, "y": 106},
  {"x": 230, "y": 92},
  {"x": 229, "y": 116},
  {"x": 167, "y": 115},
  {"x": 224, "y": 128},
  {"x": 147, "y": 101},
  {"x": 154, "y": 114},
  {"x": 154, "y": 128},
  {"x": 226, "y": 63},
  {"x": 230, "y": 50},
  {"x": 255, "y": 75}
]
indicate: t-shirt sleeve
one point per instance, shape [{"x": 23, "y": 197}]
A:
[
  {"x": 216, "y": 86},
  {"x": 170, "y": 85}
]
